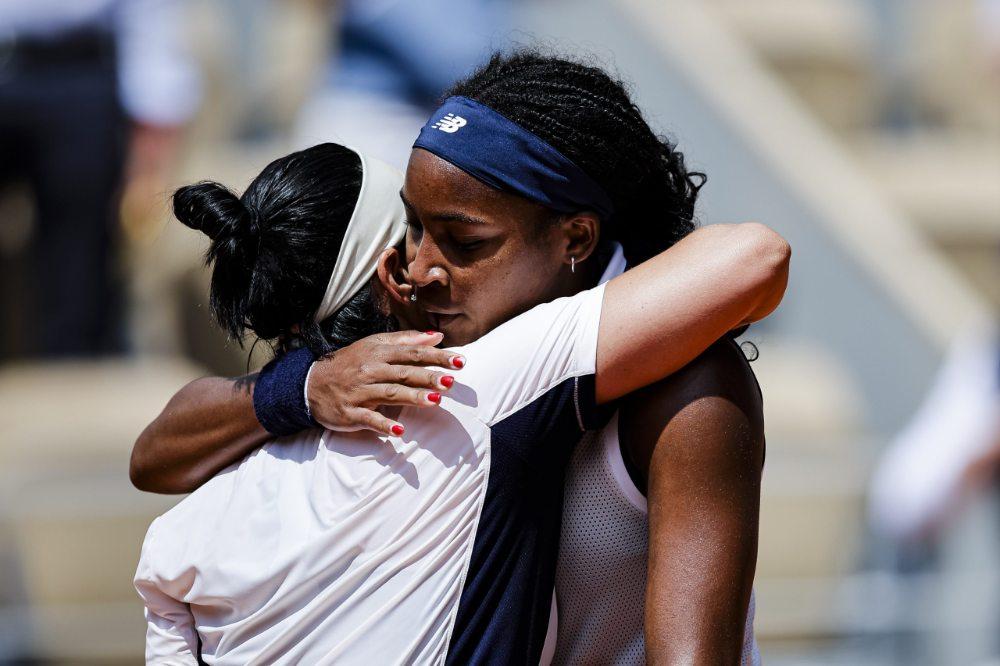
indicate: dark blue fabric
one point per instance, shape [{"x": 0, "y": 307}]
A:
[
  {"x": 279, "y": 399},
  {"x": 504, "y": 155},
  {"x": 503, "y": 614}
]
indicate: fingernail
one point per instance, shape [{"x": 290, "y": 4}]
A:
[
  {"x": 434, "y": 397},
  {"x": 447, "y": 381},
  {"x": 430, "y": 332},
  {"x": 458, "y": 362},
  {"x": 397, "y": 430}
]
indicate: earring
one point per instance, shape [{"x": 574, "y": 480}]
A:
[
  {"x": 572, "y": 264},
  {"x": 413, "y": 297}
]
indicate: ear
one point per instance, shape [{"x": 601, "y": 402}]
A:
[
  {"x": 582, "y": 232},
  {"x": 391, "y": 273}
]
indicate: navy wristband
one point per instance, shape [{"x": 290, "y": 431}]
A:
[{"x": 279, "y": 399}]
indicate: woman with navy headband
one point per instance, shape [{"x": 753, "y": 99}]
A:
[{"x": 466, "y": 220}]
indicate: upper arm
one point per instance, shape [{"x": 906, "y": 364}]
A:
[
  {"x": 171, "y": 636},
  {"x": 551, "y": 345},
  {"x": 660, "y": 315},
  {"x": 704, "y": 465}
]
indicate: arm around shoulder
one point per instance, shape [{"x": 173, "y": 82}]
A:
[
  {"x": 660, "y": 315},
  {"x": 206, "y": 426}
]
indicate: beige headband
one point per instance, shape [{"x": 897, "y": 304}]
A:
[{"x": 378, "y": 222}]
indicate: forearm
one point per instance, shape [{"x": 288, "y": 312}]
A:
[
  {"x": 660, "y": 315},
  {"x": 208, "y": 425}
]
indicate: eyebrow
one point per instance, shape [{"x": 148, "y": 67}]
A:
[{"x": 447, "y": 216}]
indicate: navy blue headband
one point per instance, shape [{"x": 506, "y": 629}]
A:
[{"x": 504, "y": 155}]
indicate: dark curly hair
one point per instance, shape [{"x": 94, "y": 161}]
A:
[
  {"x": 274, "y": 248},
  {"x": 588, "y": 116}
]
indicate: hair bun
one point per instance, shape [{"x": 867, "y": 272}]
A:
[{"x": 216, "y": 212}]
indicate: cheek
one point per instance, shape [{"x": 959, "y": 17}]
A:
[{"x": 507, "y": 285}]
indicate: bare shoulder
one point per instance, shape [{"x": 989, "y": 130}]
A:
[{"x": 711, "y": 407}]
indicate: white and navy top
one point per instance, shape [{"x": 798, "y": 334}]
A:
[{"x": 354, "y": 548}]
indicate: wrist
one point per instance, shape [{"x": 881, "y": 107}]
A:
[
  {"x": 305, "y": 390},
  {"x": 279, "y": 398}
]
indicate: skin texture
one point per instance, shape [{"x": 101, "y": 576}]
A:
[
  {"x": 697, "y": 442},
  {"x": 473, "y": 275}
]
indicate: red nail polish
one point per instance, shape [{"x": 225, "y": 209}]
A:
[
  {"x": 397, "y": 430},
  {"x": 430, "y": 332},
  {"x": 434, "y": 397},
  {"x": 447, "y": 381},
  {"x": 458, "y": 362}
]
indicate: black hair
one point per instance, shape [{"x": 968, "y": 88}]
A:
[
  {"x": 274, "y": 248},
  {"x": 590, "y": 118}
]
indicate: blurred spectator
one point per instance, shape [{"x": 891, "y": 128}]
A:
[
  {"x": 396, "y": 57},
  {"x": 951, "y": 448},
  {"x": 91, "y": 92}
]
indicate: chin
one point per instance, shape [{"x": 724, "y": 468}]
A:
[{"x": 458, "y": 333}]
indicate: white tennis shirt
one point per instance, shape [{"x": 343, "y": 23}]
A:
[{"x": 353, "y": 548}]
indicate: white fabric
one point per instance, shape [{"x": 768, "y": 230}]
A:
[
  {"x": 159, "y": 81},
  {"x": 352, "y": 548},
  {"x": 378, "y": 222},
  {"x": 603, "y": 557}
]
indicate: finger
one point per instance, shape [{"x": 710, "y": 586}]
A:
[
  {"x": 375, "y": 395},
  {"x": 412, "y": 376},
  {"x": 422, "y": 338},
  {"x": 369, "y": 419},
  {"x": 421, "y": 356}
]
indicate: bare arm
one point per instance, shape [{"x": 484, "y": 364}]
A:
[
  {"x": 660, "y": 315},
  {"x": 210, "y": 423},
  {"x": 207, "y": 425},
  {"x": 698, "y": 438}
]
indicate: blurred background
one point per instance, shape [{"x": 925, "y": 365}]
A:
[{"x": 867, "y": 132}]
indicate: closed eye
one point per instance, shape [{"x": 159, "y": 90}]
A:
[{"x": 469, "y": 246}]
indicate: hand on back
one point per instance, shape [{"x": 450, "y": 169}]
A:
[{"x": 346, "y": 389}]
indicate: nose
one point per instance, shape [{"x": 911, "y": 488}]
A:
[{"x": 428, "y": 265}]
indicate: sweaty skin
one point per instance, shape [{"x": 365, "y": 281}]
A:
[{"x": 714, "y": 280}]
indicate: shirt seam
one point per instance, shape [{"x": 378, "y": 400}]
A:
[
  {"x": 521, "y": 404},
  {"x": 469, "y": 549}
]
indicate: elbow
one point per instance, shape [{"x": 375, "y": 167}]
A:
[
  {"x": 138, "y": 469},
  {"x": 146, "y": 475},
  {"x": 770, "y": 255},
  {"x": 770, "y": 250}
]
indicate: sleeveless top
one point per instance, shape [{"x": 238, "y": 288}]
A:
[{"x": 601, "y": 571}]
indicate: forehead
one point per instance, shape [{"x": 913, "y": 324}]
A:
[{"x": 433, "y": 185}]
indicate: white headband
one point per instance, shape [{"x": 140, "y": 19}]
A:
[{"x": 378, "y": 222}]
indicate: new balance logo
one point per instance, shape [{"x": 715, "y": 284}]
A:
[{"x": 450, "y": 123}]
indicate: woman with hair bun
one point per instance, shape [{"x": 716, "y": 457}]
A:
[{"x": 493, "y": 233}]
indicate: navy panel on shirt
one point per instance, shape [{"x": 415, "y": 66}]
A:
[{"x": 504, "y": 610}]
